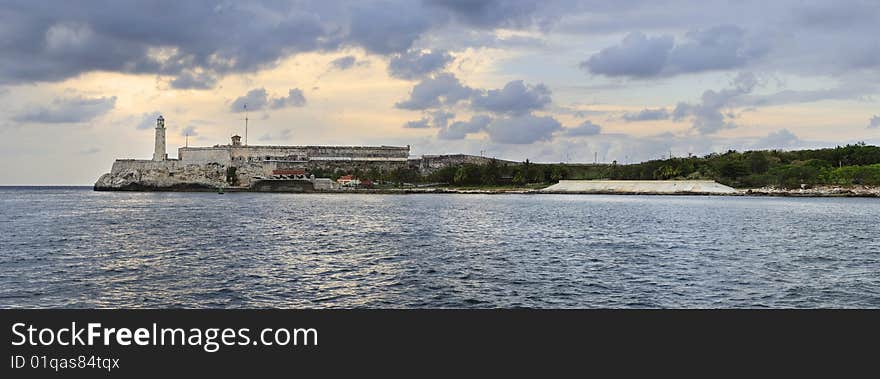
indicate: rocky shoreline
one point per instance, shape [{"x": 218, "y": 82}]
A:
[
  {"x": 823, "y": 191},
  {"x": 816, "y": 191}
]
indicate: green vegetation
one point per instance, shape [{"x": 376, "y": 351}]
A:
[
  {"x": 844, "y": 165},
  {"x": 231, "y": 177}
]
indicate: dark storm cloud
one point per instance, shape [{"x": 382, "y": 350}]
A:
[
  {"x": 516, "y": 98},
  {"x": 413, "y": 65},
  {"x": 441, "y": 90},
  {"x": 490, "y": 13},
  {"x": 586, "y": 128},
  {"x": 67, "y": 110},
  {"x": 523, "y": 129},
  {"x": 460, "y": 129},
  {"x": 647, "y": 115},
  {"x": 719, "y": 48},
  {"x": 386, "y": 27},
  {"x": 48, "y": 43},
  {"x": 198, "y": 42}
]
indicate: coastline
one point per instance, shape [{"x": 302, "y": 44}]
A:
[{"x": 821, "y": 191}]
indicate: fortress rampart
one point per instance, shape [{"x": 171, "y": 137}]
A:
[
  {"x": 227, "y": 153},
  {"x": 242, "y": 166}
]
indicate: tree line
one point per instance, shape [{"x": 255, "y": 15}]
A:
[{"x": 856, "y": 164}]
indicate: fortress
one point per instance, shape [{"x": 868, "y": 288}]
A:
[{"x": 244, "y": 166}]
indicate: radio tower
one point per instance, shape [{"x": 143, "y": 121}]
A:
[{"x": 245, "y": 123}]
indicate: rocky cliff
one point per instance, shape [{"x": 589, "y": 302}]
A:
[{"x": 137, "y": 175}]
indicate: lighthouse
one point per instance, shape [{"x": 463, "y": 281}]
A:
[{"x": 159, "y": 153}]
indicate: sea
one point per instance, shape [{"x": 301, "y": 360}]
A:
[{"x": 71, "y": 247}]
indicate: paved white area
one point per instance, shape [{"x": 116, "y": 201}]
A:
[{"x": 641, "y": 186}]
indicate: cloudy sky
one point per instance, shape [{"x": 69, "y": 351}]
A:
[{"x": 81, "y": 82}]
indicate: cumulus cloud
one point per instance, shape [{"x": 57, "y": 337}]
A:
[
  {"x": 710, "y": 115},
  {"x": 515, "y": 98},
  {"x": 190, "y": 79},
  {"x": 636, "y": 56},
  {"x": 647, "y": 115},
  {"x": 586, "y": 128},
  {"x": 422, "y": 123},
  {"x": 874, "y": 122},
  {"x": 718, "y": 48},
  {"x": 433, "y": 119},
  {"x": 67, "y": 110},
  {"x": 416, "y": 64},
  {"x": 524, "y": 129},
  {"x": 441, "y": 118},
  {"x": 443, "y": 89},
  {"x": 294, "y": 98},
  {"x": 255, "y": 100},
  {"x": 460, "y": 129},
  {"x": 343, "y": 63},
  {"x": 258, "y": 98},
  {"x": 721, "y": 47}
]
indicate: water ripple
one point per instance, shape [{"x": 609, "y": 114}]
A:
[{"x": 77, "y": 248}]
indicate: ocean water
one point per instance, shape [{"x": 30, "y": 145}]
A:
[{"x": 72, "y": 247}]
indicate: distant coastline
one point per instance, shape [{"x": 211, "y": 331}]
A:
[{"x": 852, "y": 170}]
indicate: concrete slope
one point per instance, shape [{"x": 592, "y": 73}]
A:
[{"x": 641, "y": 187}]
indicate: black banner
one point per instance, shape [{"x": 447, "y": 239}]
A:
[{"x": 149, "y": 343}]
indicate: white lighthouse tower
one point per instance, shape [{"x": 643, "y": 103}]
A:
[{"x": 159, "y": 153}]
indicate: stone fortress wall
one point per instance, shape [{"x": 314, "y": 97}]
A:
[
  {"x": 226, "y": 153},
  {"x": 211, "y": 167}
]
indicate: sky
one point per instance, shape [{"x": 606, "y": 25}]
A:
[{"x": 82, "y": 82}]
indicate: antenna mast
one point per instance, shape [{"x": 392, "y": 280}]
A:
[{"x": 245, "y": 124}]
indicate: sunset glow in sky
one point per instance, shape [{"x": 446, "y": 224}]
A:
[{"x": 81, "y": 83}]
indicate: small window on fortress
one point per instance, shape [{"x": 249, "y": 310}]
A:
[{"x": 267, "y": 157}]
